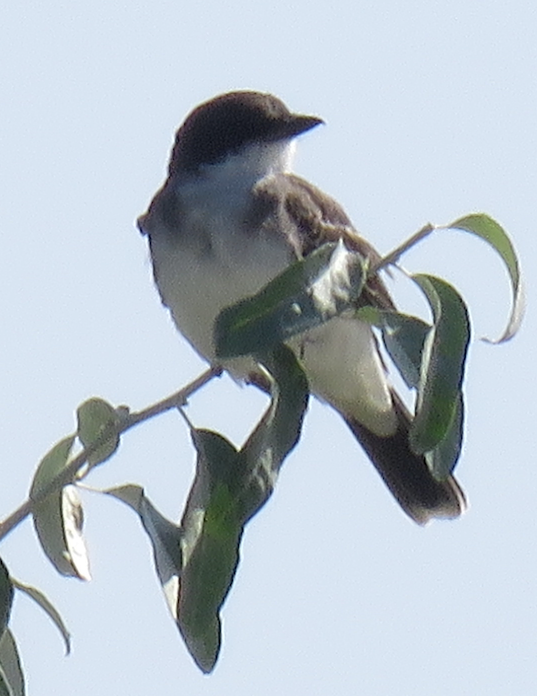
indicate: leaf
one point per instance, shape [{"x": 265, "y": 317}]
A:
[
  {"x": 6, "y": 596},
  {"x": 170, "y": 545},
  {"x": 73, "y": 522},
  {"x": 10, "y": 667},
  {"x": 404, "y": 337},
  {"x": 58, "y": 518},
  {"x": 212, "y": 531},
  {"x": 229, "y": 488},
  {"x": 49, "y": 609},
  {"x": 51, "y": 466},
  {"x": 196, "y": 562},
  {"x": 278, "y": 431},
  {"x": 443, "y": 458},
  {"x": 443, "y": 360},
  {"x": 58, "y": 521},
  {"x": 5, "y": 688},
  {"x": 8, "y": 682},
  {"x": 305, "y": 295},
  {"x": 95, "y": 418},
  {"x": 165, "y": 537},
  {"x": 490, "y": 231}
]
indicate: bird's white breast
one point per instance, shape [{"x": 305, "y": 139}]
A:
[
  {"x": 196, "y": 288},
  {"x": 213, "y": 261}
]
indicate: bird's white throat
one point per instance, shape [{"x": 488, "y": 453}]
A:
[{"x": 226, "y": 183}]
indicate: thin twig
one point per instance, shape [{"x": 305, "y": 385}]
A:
[
  {"x": 396, "y": 254},
  {"x": 127, "y": 420},
  {"x": 180, "y": 398}
]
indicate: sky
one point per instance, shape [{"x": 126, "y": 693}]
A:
[{"x": 431, "y": 113}]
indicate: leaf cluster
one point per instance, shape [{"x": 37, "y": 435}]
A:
[{"x": 196, "y": 559}]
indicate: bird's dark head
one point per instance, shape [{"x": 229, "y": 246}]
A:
[{"x": 224, "y": 125}]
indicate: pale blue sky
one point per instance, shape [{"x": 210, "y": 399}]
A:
[{"x": 431, "y": 112}]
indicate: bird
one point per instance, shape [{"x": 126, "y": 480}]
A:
[{"x": 231, "y": 216}]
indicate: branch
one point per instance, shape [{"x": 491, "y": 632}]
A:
[
  {"x": 127, "y": 420},
  {"x": 396, "y": 254}
]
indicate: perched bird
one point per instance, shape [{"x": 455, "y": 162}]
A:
[{"x": 229, "y": 218}]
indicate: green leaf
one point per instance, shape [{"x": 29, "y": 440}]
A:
[
  {"x": 229, "y": 488},
  {"x": 49, "y": 609},
  {"x": 443, "y": 361},
  {"x": 10, "y": 666},
  {"x": 212, "y": 530},
  {"x": 51, "y": 466},
  {"x": 194, "y": 594},
  {"x": 5, "y": 689},
  {"x": 6, "y": 597},
  {"x": 165, "y": 537},
  {"x": 278, "y": 431},
  {"x": 58, "y": 521},
  {"x": 404, "y": 337},
  {"x": 443, "y": 458},
  {"x": 490, "y": 231},
  {"x": 58, "y": 518},
  {"x": 305, "y": 295},
  {"x": 196, "y": 562},
  {"x": 95, "y": 418}
]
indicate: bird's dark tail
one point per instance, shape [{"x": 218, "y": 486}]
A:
[{"x": 406, "y": 474}]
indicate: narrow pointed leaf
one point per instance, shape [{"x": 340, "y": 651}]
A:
[
  {"x": 230, "y": 487},
  {"x": 96, "y": 417},
  {"x": 442, "y": 370},
  {"x": 8, "y": 681},
  {"x": 58, "y": 521},
  {"x": 10, "y": 666},
  {"x": 444, "y": 457},
  {"x": 404, "y": 337},
  {"x": 212, "y": 531},
  {"x": 58, "y": 518},
  {"x": 278, "y": 431},
  {"x": 490, "y": 231},
  {"x": 49, "y": 609},
  {"x": 165, "y": 537},
  {"x": 201, "y": 556},
  {"x": 5, "y": 686},
  {"x": 305, "y": 295},
  {"x": 51, "y": 465},
  {"x": 6, "y": 597}
]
